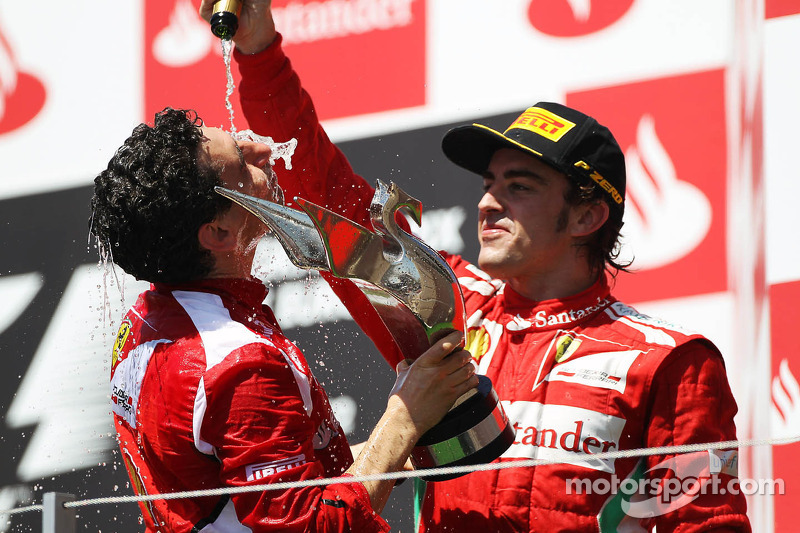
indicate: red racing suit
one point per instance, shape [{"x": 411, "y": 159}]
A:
[
  {"x": 581, "y": 375},
  {"x": 208, "y": 393}
]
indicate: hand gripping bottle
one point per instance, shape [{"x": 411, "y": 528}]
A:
[{"x": 225, "y": 20}]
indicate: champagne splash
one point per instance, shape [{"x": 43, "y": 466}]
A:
[
  {"x": 280, "y": 150},
  {"x": 227, "y": 49},
  {"x": 284, "y": 150}
]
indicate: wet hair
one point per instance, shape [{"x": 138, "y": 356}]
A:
[
  {"x": 602, "y": 248},
  {"x": 150, "y": 202}
]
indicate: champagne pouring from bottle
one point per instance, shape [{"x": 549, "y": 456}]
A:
[
  {"x": 224, "y": 17},
  {"x": 224, "y": 23}
]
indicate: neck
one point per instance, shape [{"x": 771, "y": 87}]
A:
[
  {"x": 230, "y": 265},
  {"x": 556, "y": 284}
]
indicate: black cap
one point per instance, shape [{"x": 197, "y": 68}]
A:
[{"x": 564, "y": 138}]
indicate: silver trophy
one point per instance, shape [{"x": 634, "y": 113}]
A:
[{"x": 413, "y": 290}]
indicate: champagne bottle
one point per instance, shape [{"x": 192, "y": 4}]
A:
[{"x": 225, "y": 20}]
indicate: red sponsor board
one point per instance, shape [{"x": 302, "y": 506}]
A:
[
  {"x": 781, "y": 8},
  {"x": 22, "y": 95},
  {"x": 354, "y": 56},
  {"x": 673, "y": 133},
  {"x": 785, "y": 399},
  {"x": 565, "y": 18}
]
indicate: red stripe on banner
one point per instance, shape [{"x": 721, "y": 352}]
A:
[
  {"x": 354, "y": 56},
  {"x": 672, "y": 130},
  {"x": 781, "y": 8},
  {"x": 785, "y": 375}
]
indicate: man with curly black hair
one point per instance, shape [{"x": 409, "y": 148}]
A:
[
  {"x": 146, "y": 200},
  {"x": 207, "y": 392}
]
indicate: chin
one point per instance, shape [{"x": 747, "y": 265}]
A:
[{"x": 495, "y": 269}]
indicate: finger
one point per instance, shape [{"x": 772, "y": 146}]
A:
[
  {"x": 456, "y": 361},
  {"x": 459, "y": 377},
  {"x": 402, "y": 366},
  {"x": 441, "y": 349},
  {"x": 467, "y": 385},
  {"x": 207, "y": 9},
  {"x": 459, "y": 384}
]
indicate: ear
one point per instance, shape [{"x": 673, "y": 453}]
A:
[
  {"x": 215, "y": 236},
  {"x": 590, "y": 217}
]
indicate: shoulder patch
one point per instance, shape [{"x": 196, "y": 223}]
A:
[
  {"x": 655, "y": 330},
  {"x": 126, "y": 383},
  {"x": 120, "y": 344},
  {"x": 483, "y": 336}
]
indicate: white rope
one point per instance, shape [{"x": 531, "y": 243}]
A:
[
  {"x": 564, "y": 457},
  {"x": 20, "y": 510}
]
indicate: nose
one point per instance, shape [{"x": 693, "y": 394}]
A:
[
  {"x": 257, "y": 154},
  {"x": 490, "y": 203}
]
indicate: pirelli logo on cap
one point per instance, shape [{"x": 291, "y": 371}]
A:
[{"x": 542, "y": 122}]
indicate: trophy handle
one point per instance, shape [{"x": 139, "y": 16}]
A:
[{"x": 397, "y": 263}]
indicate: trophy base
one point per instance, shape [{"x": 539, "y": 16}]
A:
[{"x": 476, "y": 431}]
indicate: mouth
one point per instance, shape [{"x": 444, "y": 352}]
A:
[{"x": 489, "y": 230}]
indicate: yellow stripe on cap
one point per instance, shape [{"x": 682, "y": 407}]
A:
[
  {"x": 506, "y": 139},
  {"x": 542, "y": 122},
  {"x": 601, "y": 181}
]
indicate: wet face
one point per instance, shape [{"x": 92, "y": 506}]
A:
[
  {"x": 522, "y": 217},
  {"x": 243, "y": 167}
]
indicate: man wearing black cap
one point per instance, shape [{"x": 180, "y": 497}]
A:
[
  {"x": 545, "y": 144},
  {"x": 579, "y": 373}
]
